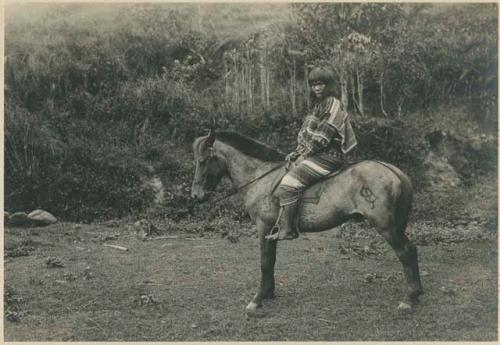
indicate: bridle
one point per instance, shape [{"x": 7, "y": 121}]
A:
[{"x": 238, "y": 189}]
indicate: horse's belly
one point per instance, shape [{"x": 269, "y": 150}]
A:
[{"x": 320, "y": 217}]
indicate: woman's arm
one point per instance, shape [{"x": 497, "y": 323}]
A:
[
  {"x": 318, "y": 132},
  {"x": 316, "y": 139}
]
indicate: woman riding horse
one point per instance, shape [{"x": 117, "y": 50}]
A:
[
  {"x": 375, "y": 191},
  {"x": 325, "y": 137}
]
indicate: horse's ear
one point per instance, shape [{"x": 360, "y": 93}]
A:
[{"x": 210, "y": 138}]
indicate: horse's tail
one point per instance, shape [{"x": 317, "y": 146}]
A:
[{"x": 405, "y": 198}]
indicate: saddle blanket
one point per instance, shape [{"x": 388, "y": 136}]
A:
[{"x": 311, "y": 194}]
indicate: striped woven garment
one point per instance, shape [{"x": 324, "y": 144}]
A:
[
  {"x": 328, "y": 125},
  {"x": 324, "y": 138}
]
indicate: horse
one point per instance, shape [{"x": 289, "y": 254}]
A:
[{"x": 371, "y": 190}]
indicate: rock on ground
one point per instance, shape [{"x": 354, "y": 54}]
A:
[
  {"x": 19, "y": 219},
  {"x": 41, "y": 218}
]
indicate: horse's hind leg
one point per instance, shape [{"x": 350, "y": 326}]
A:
[
  {"x": 406, "y": 252},
  {"x": 267, "y": 261}
]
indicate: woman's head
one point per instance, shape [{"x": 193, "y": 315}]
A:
[{"x": 321, "y": 82}]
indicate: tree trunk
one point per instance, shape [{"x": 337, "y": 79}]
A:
[
  {"x": 353, "y": 93},
  {"x": 344, "y": 90},
  {"x": 227, "y": 88},
  {"x": 359, "y": 79},
  {"x": 249, "y": 79},
  {"x": 308, "y": 94},
  {"x": 262, "y": 69},
  {"x": 292, "y": 88},
  {"x": 353, "y": 97},
  {"x": 268, "y": 82},
  {"x": 236, "y": 99},
  {"x": 243, "y": 84},
  {"x": 381, "y": 82}
]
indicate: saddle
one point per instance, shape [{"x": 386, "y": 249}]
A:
[{"x": 312, "y": 193}]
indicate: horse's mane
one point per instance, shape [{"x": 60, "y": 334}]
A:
[{"x": 249, "y": 146}]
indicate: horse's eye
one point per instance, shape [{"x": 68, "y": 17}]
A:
[{"x": 205, "y": 158}]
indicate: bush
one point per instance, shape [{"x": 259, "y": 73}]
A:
[
  {"x": 391, "y": 141},
  {"x": 93, "y": 102},
  {"x": 91, "y": 175}
]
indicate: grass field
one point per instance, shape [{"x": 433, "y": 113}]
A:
[{"x": 345, "y": 284}]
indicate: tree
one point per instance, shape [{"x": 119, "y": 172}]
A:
[{"x": 345, "y": 35}]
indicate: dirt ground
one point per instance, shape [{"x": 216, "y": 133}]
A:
[{"x": 63, "y": 284}]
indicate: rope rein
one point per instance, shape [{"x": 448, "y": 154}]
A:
[{"x": 238, "y": 189}]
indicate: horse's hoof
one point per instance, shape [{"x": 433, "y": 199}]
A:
[
  {"x": 405, "y": 307},
  {"x": 253, "y": 310},
  {"x": 252, "y": 306}
]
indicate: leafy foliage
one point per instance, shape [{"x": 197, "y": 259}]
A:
[
  {"x": 97, "y": 95},
  {"x": 392, "y": 145}
]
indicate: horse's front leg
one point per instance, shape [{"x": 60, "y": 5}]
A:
[{"x": 267, "y": 261}]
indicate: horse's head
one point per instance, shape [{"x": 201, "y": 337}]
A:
[{"x": 210, "y": 167}]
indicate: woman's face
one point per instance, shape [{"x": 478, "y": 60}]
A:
[{"x": 318, "y": 87}]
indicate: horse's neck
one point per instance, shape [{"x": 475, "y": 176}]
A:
[{"x": 242, "y": 168}]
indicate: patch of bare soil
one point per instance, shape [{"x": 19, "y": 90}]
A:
[{"x": 70, "y": 282}]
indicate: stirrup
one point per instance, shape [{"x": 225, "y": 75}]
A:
[{"x": 275, "y": 230}]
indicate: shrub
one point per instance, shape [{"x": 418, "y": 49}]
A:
[
  {"x": 93, "y": 102},
  {"x": 392, "y": 141},
  {"x": 90, "y": 176}
]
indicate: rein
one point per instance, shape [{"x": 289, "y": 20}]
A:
[{"x": 238, "y": 189}]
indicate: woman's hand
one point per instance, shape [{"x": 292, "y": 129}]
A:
[
  {"x": 292, "y": 157},
  {"x": 320, "y": 141},
  {"x": 299, "y": 159}
]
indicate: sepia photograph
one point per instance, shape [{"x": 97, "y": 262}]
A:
[{"x": 252, "y": 171}]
